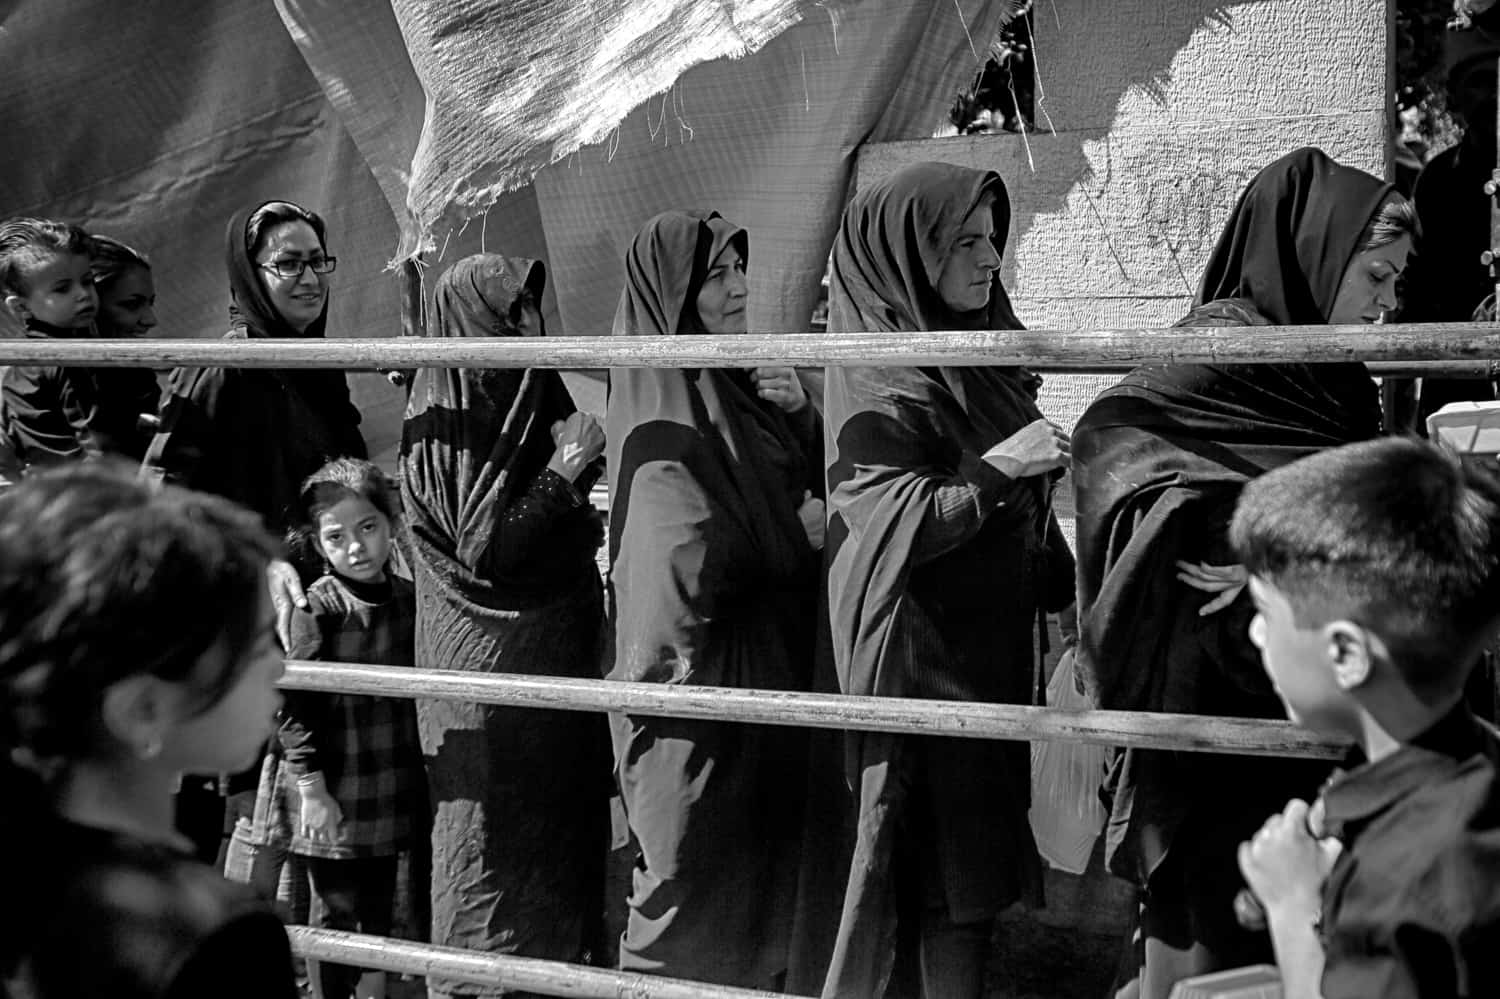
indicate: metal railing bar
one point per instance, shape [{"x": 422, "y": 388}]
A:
[
  {"x": 1042, "y": 349},
  {"x": 909, "y": 716},
  {"x": 522, "y": 974}
]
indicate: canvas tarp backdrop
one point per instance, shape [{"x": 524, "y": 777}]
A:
[{"x": 396, "y": 120}]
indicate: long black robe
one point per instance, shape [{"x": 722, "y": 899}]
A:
[
  {"x": 938, "y": 564},
  {"x": 520, "y": 796},
  {"x": 1158, "y": 463},
  {"x": 714, "y": 582}
]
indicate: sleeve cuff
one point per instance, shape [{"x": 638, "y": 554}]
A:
[
  {"x": 990, "y": 484},
  {"x": 556, "y": 487}
]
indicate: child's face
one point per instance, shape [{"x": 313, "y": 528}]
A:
[
  {"x": 356, "y": 539},
  {"x": 229, "y": 736},
  {"x": 61, "y": 292},
  {"x": 1298, "y": 662},
  {"x": 127, "y": 305}
]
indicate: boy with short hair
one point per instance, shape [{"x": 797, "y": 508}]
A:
[{"x": 1375, "y": 572}]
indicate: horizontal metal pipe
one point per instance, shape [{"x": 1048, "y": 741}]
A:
[
  {"x": 1042, "y": 349},
  {"x": 965, "y": 719},
  {"x": 522, "y": 974}
]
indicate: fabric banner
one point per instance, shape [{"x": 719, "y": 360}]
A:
[
  {"x": 159, "y": 120},
  {"x": 767, "y": 139}
]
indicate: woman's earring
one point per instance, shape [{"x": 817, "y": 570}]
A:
[{"x": 151, "y": 749}]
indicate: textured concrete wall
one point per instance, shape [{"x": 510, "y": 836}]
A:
[{"x": 1156, "y": 113}]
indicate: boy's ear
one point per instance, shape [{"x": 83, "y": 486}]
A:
[
  {"x": 17, "y": 306},
  {"x": 1349, "y": 649}
]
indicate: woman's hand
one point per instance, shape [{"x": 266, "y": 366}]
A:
[
  {"x": 320, "y": 812},
  {"x": 1036, "y": 449},
  {"x": 814, "y": 517},
  {"x": 780, "y": 386},
  {"x": 286, "y": 595},
  {"x": 579, "y": 440},
  {"x": 1225, "y": 580}
]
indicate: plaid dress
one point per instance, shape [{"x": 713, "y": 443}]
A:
[{"x": 366, "y": 747}]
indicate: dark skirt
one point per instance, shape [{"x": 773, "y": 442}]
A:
[
  {"x": 520, "y": 796},
  {"x": 716, "y": 812}
]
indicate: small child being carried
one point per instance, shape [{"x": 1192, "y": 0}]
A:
[
  {"x": 350, "y": 773},
  {"x": 50, "y": 414}
]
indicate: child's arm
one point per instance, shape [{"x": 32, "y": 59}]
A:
[
  {"x": 45, "y": 415},
  {"x": 1285, "y": 866},
  {"x": 305, "y": 717}
]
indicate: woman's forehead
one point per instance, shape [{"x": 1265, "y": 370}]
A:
[{"x": 291, "y": 238}]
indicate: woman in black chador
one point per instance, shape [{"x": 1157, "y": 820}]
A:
[
  {"x": 1159, "y": 462},
  {"x": 942, "y": 550}
]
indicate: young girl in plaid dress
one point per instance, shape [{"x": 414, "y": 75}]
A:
[{"x": 351, "y": 765}]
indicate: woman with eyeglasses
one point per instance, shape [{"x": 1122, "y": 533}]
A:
[{"x": 254, "y": 435}]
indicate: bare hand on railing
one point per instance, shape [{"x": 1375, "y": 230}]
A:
[
  {"x": 780, "y": 386},
  {"x": 579, "y": 440},
  {"x": 286, "y": 595},
  {"x": 814, "y": 517},
  {"x": 1224, "y": 580},
  {"x": 1036, "y": 449}
]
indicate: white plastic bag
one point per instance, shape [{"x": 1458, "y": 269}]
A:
[{"x": 1066, "y": 814}]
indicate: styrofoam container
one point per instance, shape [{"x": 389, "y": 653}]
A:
[
  {"x": 1258, "y": 981},
  {"x": 1467, "y": 427}
]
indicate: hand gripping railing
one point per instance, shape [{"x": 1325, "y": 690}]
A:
[{"x": 1463, "y": 350}]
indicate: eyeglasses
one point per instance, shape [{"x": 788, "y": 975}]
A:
[{"x": 291, "y": 269}]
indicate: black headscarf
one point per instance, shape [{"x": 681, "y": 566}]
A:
[
  {"x": 1292, "y": 235},
  {"x": 252, "y": 315},
  {"x": 474, "y": 439},
  {"x": 1160, "y": 458},
  {"x": 692, "y": 541}
]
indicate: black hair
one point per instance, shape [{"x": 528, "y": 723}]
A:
[
  {"x": 1395, "y": 219},
  {"x": 104, "y": 577},
  {"x": 338, "y": 480},
  {"x": 343, "y": 478},
  {"x": 24, "y": 242},
  {"x": 274, "y": 213},
  {"x": 1397, "y": 535},
  {"x": 111, "y": 258}
]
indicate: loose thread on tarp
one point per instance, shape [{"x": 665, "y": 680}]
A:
[{"x": 965, "y": 23}]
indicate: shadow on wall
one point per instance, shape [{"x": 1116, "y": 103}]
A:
[{"x": 1087, "y": 69}]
